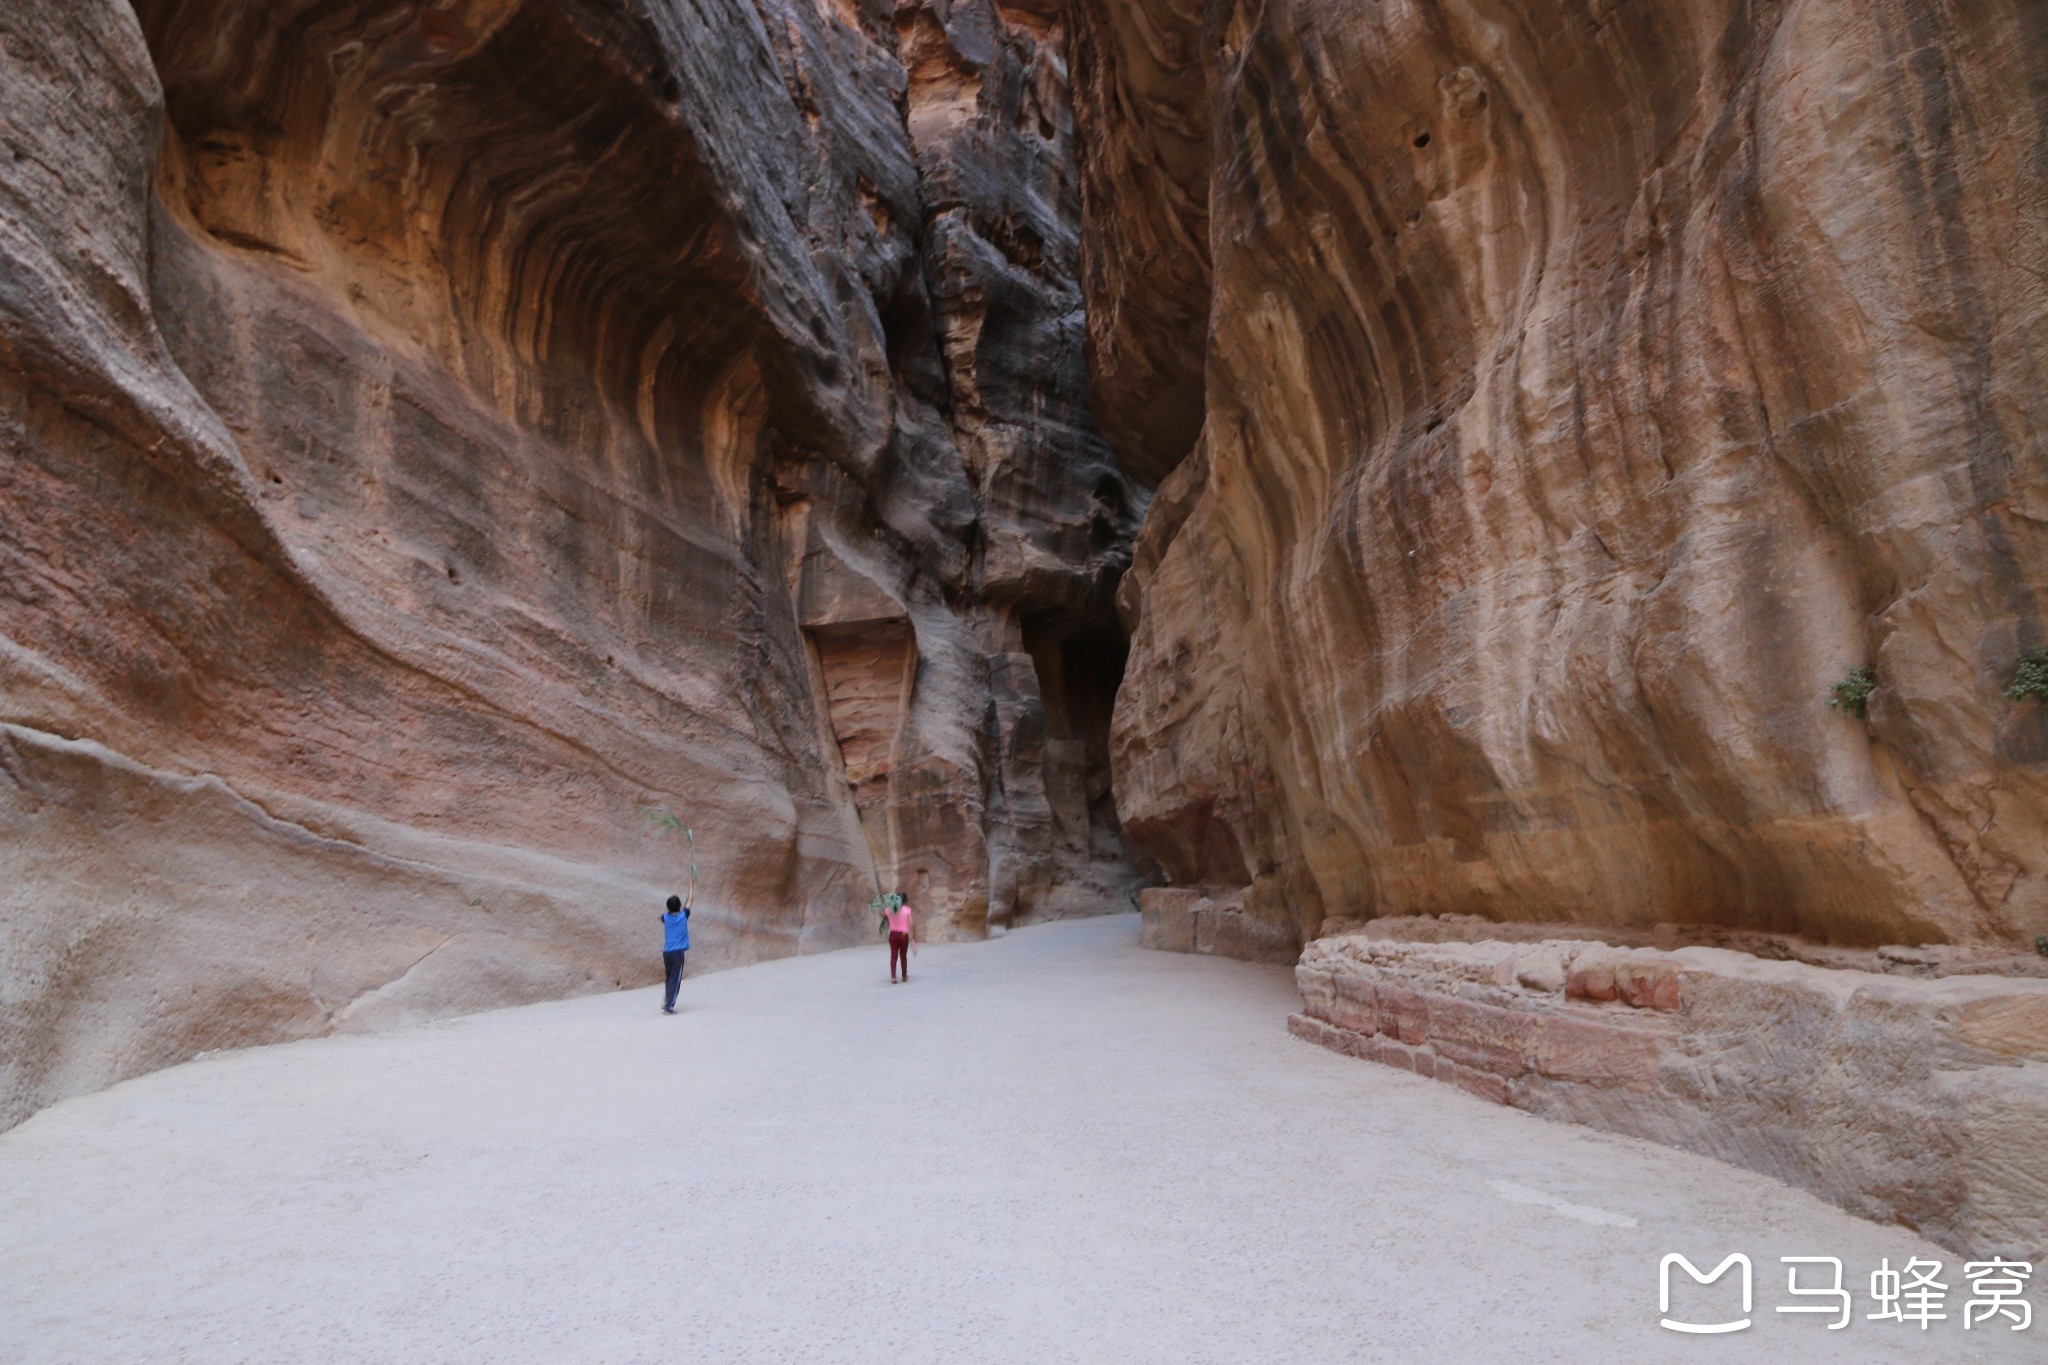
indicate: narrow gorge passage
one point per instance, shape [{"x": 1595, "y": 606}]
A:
[{"x": 1049, "y": 1147}]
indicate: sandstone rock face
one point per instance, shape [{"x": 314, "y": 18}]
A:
[
  {"x": 432, "y": 438},
  {"x": 1211, "y": 921},
  {"x": 1143, "y": 105},
  {"x": 1913, "y": 1101},
  {"x": 1584, "y": 389}
]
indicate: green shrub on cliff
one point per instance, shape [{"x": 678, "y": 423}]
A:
[
  {"x": 1851, "y": 696},
  {"x": 2030, "y": 678}
]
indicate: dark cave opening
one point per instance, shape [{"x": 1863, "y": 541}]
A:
[
  {"x": 1079, "y": 671},
  {"x": 1078, "y": 676}
]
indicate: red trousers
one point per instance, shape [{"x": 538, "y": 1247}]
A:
[{"x": 899, "y": 950}]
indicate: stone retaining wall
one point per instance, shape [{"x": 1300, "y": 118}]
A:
[{"x": 1918, "y": 1101}]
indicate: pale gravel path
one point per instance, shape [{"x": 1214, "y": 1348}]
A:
[{"x": 1051, "y": 1147}]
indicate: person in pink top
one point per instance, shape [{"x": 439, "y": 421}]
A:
[{"x": 898, "y": 917}]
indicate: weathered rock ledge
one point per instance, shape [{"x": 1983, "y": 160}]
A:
[
  {"x": 1923, "y": 1102},
  {"x": 1926, "y": 959},
  {"x": 1216, "y": 920}
]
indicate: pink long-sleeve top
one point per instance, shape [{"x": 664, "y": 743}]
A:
[{"x": 899, "y": 920}]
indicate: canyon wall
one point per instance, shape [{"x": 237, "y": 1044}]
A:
[
  {"x": 1550, "y": 402},
  {"x": 440, "y": 441}
]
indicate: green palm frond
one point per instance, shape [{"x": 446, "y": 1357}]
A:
[{"x": 663, "y": 822}]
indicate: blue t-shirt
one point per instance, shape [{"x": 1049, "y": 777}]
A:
[{"x": 675, "y": 932}]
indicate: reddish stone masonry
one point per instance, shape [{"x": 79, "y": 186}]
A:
[{"x": 1910, "y": 1100}]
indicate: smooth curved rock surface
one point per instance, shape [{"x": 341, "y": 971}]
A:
[
  {"x": 434, "y": 438},
  {"x": 1586, "y": 389}
]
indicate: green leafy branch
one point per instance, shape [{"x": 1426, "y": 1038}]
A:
[
  {"x": 663, "y": 822},
  {"x": 2030, "y": 678}
]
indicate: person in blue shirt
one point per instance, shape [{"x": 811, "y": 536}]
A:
[{"x": 675, "y": 942}]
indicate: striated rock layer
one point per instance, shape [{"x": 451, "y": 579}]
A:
[
  {"x": 435, "y": 438},
  {"x": 1912, "y": 1101},
  {"x": 1581, "y": 390}
]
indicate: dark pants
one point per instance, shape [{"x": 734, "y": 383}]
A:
[
  {"x": 674, "y": 963},
  {"x": 899, "y": 949}
]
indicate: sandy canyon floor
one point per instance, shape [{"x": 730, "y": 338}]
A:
[{"x": 1051, "y": 1147}]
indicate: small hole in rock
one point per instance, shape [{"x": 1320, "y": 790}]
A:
[
  {"x": 672, "y": 90},
  {"x": 454, "y": 575},
  {"x": 1422, "y": 139}
]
